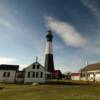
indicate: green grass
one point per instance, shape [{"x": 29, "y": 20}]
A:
[{"x": 66, "y": 91}]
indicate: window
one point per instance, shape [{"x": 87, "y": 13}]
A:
[
  {"x": 38, "y": 66},
  {"x": 33, "y": 66},
  {"x": 28, "y": 75},
  {"x": 33, "y": 75},
  {"x": 41, "y": 75},
  {"x": 82, "y": 75},
  {"x": 6, "y": 74},
  {"x": 37, "y": 74}
]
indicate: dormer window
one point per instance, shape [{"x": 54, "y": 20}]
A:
[
  {"x": 38, "y": 66},
  {"x": 34, "y": 66}
]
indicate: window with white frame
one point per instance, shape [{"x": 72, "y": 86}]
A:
[
  {"x": 6, "y": 74},
  {"x": 37, "y": 74},
  {"x": 38, "y": 66},
  {"x": 28, "y": 74},
  {"x": 33, "y": 66},
  {"x": 41, "y": 74},
  {"x": 31, "y": 74}
]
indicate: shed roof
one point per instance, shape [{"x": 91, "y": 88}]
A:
[
  {"x": 9, "y": 67},
  {"x": 75, "y": 74}
]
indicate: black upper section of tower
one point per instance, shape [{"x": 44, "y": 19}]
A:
[{"x": 49, "y": 36}]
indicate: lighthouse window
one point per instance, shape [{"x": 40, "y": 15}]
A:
[
  {"x": 38, "y": 66},
  {"x": 33, "y": 66}
]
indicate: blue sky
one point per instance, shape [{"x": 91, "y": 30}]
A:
[{"x": 75, "y": 25}]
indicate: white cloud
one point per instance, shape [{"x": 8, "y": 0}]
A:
[
  {"x": 92, "y": 5},
  {"x": 93, "y": 46},
  {"x": 6, "y": 60},
  {"x": 23, "y": 66},
  {"x": 71, "y": 62},
  {"x": 66, "y": 31},
  {"x": 6, "y": 17},
  {"x": 14, "y": 28},
  {"x": 5, "y": 23}
]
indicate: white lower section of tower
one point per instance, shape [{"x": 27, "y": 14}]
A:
[{"x": 48, "y": 49}]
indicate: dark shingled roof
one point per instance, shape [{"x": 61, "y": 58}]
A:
[
  {"x": 9, "y": 67},
  {"x": 92, "y": 67}
]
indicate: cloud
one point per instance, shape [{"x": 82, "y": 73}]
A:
[
  {"x": 92, "y": 5},
  {"x": 14, "y": 29},
  {"x": 6, "y": 17},
  {"x": 93, "y": 46},
  {"x": 66, "y": 31},
  {"x": 6, "y": 23},
  {"x": 71, "y": 62},
  {"x": 22, "y": 66},
  {"x": 6, "y": 60}
]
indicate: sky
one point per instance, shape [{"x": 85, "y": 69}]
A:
[{"x": 75, "y": 25}]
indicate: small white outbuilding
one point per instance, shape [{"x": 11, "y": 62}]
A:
[
  {"x": 75, "y": 76},
  {"x": 8, "y": 73}
]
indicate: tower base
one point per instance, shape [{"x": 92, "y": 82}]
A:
[{"x": 49, "y": 64}]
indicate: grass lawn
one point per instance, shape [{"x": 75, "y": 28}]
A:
[{"x": 50, "y": 92}]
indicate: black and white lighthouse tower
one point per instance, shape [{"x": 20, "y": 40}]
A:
[{"x": 49, "y": 63}]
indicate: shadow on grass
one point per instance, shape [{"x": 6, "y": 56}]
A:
[
  {"x": 67, "y": 83},
  {"x": 2, "y": 88}
]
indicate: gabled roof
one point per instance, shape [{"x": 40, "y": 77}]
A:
[
  {"x": 9, "y": 67},
  {"x": 92, "y": 67},
  {"x": 38, "y": 64},
  {"x": 33, "y": 64}
]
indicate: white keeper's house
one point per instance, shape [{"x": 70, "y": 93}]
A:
[
  {"x": 91, "y": 72},
  {"x": 35, "y": 72}
]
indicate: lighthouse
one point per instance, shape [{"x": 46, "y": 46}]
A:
[{"x": 49, "y": 63}]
